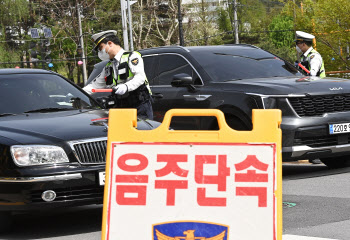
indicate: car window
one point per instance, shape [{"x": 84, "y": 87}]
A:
[
  {"x": 151, "y": 68},
  {"x": 96, "y": 71},
  {"x": 170, "y": 65},
  {"x": 21, "y": 93},
  {"x": 226, "y": 66}
]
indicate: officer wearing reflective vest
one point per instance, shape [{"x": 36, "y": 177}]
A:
[
  {"x": 310, "y": 59},
  {"x": 124, "y": 73}
]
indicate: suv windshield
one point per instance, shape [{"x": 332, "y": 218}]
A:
[
  {"x": 243, "y": 63},
  {"x": 21, "y": 93}
]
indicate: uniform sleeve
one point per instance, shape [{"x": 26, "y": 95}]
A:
[
  {"x": 137, "y": 68},
  {"x": 315, "y": 64},
  {"x": 98, "y": 83}
]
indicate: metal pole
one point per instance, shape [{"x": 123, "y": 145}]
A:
[
  {"x": 124, "y": 26},
  {"x": 182, "y": 43},
  {"x": 130, "y": 27},
  {"x": 82, "y": 45},
  {"x": 235, "y": 21},
  {"x": 294, "y": 28},
  {"x": 42, "y": 53}
]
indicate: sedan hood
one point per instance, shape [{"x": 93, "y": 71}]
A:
[
  {"x": 291, "y": 86},
  {"x": 45, "y": 128}
]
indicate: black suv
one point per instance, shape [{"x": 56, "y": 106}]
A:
[{"x": 239, "y": 78}]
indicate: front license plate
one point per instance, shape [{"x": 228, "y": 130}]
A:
[
  {"x": 101, "y": 178},
  {"x": 339, "y": 128}
]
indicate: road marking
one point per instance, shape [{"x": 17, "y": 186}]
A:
[
  {"x": 288, "y": 204},
  {"x": 296, "y": 237}
]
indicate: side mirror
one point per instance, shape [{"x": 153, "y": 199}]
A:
[
  {"x": 181, "y": 80},
  {"x": 105, "y": 102}
]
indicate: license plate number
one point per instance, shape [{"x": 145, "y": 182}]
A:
[
  {"x": 101, "y": 178},
  {"x": 339, "y": 128}
]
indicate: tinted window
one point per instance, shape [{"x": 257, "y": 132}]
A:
[
  {"x": 151, "y": 67},
  {"x": 242, "y": 64},
  {"x": 96, "y": 71},
  {"x": 27, "y": 92},
  {"x": 170, "y": 65}
]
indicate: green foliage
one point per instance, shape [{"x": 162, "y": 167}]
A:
[
  {"x": 329, "y": 21},
  {"x": 224, "y": 20},
  {"x": 8, "y": 55},
  {"x": 261, "y": 22},
  {"x": 13, "y": 13},
  {"x": 280, "y": 31},
  {"x": 286, "y": 52}
]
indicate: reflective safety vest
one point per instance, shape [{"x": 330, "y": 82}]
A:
[
  {"x": 306, "y": 62},
  {"x": 133, "y": 98}
]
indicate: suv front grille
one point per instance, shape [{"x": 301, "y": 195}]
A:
[
  {"x": 319, "y": 105},
  {"x": 323, "y": 141},
  {"x": 317, "y": 142},
  {"x": 91, "y": 151}
]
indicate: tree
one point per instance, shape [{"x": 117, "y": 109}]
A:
[
  {"x": 281, "y": 31},
  {"x": 253, "y": 20},
  {"x": 329, "y": 22},
  {"x": 280, "y": 38},
  {"x": 143, "y": 23},
  {"x": 223, "y": 20},
  {"x": 165, "y": 21},
  {"x": 14, "y": 23},
  {"x": 332, "y": 27},
  {"x": 62, "y": 17}
]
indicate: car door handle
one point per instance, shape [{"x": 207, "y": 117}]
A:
[
  {"x": 157, "y": 95},
  {"x": 197, "y": 97}
]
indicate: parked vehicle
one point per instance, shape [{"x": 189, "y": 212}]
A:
[
  {"x": 53, "y": 139},
  {"x": 239, "y": 78}
]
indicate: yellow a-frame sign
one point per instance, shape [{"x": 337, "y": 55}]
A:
[{"x": 165, "y": 184}]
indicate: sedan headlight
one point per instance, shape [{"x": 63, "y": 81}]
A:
[{"x": 29, "y": 155}]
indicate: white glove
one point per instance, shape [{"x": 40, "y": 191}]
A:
[{"x": 120, "y": 89}]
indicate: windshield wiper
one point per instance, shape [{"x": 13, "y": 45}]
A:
[
  {"x": 48, "y": 110},
  {"x": 7, "y": 114}
]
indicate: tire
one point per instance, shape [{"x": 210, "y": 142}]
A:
[
  {"x": 234, "y": 123},
  {"x": 5, "y": 221},
  {"x": 337, "y": 162}
]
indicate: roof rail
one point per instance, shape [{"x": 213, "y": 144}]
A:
[
  {"x": 169, "y": 46},
  {"x": 241, "y": 44}
]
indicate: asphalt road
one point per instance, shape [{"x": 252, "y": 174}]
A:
[
  {"x": 316, "y": 201},
  {"x": 316, "y": 207}
]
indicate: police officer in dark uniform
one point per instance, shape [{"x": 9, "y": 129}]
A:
[{"x": 124, "y": 73}]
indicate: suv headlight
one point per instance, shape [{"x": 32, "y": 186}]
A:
[{"x": 29, "y": 155}]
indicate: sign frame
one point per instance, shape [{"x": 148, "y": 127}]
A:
[{"x": 266, "y": 131}]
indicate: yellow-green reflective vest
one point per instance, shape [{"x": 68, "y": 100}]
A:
[
  {"x": 322, "y": 72},
  {"x": 124, "y": 73}
]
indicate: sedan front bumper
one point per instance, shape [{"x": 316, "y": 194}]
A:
[{"x": 72, "y": 189}]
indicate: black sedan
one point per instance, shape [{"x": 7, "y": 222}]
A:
[
  {"x": 53, "y": 140},
  {"x": 239, "y": 78}
]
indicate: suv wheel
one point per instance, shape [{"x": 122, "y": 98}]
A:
[
  {"x": 236, "y": 123},
  {"x": 233, "y": 122},
  {"x": 337, "y": 162}
]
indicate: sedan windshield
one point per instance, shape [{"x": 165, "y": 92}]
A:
[
  {"x": 25, "y": 93},
  {"x": 248, "y": 63}
]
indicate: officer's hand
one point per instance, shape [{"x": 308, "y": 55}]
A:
[{"x": 120, "y": 89}]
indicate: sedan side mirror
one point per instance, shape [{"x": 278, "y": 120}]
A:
[{"x": 181, "y": 80}]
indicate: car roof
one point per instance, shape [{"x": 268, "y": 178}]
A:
[
  {"x": 180, "y": 49},
  {"x": 6, "y": 71}
]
